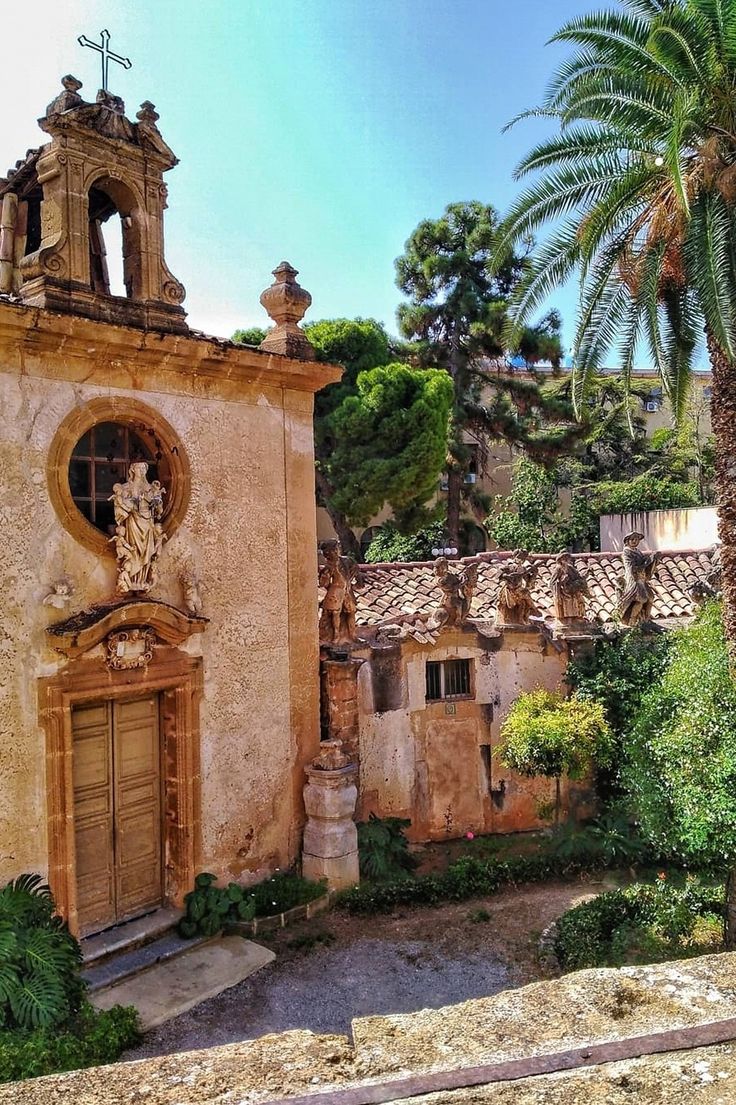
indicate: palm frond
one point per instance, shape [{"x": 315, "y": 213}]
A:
[
  {"x": 709, "y": 259},
  {"x": 550, "y": 266},
  {"x": 558, "y": 194},
  {"x": 579, "y": 144},
  {"x": 682, "y": 330},
  {"x": 682, "y": 40},
  {"x": 616, "y": 38}
]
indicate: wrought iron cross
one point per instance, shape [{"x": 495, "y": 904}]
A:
[{"x": 106, "y": 54}]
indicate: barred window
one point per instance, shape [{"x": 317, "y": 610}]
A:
[{"x": 447, "y": 679}]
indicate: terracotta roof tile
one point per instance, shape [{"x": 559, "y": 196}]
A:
[{"x": 400, "y": 590}]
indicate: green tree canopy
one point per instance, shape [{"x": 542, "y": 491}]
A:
[
  {"x": 388, "y": 441},
  {"x": 252, "y": 335},
  {"x": 380, "y": 436},
  {"x": 681, "y": 753},
  {"x": 455, "y": 316}
]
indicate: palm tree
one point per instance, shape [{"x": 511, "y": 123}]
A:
[{"x": 641, "y": 182}]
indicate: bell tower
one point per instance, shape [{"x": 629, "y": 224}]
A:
[{"x": 55, "y": 204}]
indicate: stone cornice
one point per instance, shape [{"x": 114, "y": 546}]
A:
[{"x": 42, "y": 343}]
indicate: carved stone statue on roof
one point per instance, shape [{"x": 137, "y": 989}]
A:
[
  {"x": 515, "y": 604},
  {"x": 457, "y": 590},
  {"x": 636, "y": 593},
  {"x": 337, "y": 575},
  {"x": 569, "y": 589},
  {"x": 711, "y": 586}
]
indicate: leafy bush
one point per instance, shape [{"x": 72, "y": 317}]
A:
[
  {"x": 89, "y": 1039},
  {"x": 40, "y": 984},
  {"x": 209, "y": 908},
  {"x": 681, "y": 752},
  {"x": 546, "y": 734},
  {"x": 389, "y": 545},
  {"x": 383, "y": 848},
  {"x": 467, "y": 878},
  {"x": 611, "y": 837},
  {"x": 655, "y": 921},
  {"x": 284, "y": 891}
]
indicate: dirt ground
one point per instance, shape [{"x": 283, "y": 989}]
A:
[{"x": 336, "y": 967}]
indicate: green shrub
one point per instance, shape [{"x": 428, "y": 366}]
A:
[
  {"x": 284, "y": 891},
  {"x": 681, "y": 752},
  {"x": 389, "y": 545},
  {"x": 89, "y": 1039},
  {"x": 617, "y": 674},
  {"x": 546, "y": 734},
  {"x": 467, "y": 878},
  {"x": 40, "y": 984},
  {"x": 383, "y": 848},
  {"x": 653, "y": 920},
  {"x": 208, "y": 908},
  {"x": 611, "y": 837}
]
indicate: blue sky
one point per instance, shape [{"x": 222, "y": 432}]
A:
[{"x": 316, "y": 131}]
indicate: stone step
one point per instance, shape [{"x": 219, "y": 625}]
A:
[
  {"x": 128, "y": 935},
  {"x": 200, "y": 972},
  {"x": 134, "y": 961}
]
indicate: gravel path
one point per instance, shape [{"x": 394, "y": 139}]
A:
[{"x": 415, "y": 959}]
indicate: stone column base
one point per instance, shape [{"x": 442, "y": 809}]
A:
[
  {"x": 330, "y": 849},
  {"x": 341, "y": 872}
]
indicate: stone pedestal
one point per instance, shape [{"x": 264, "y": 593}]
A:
[
  {"x": 339, "y": 693},
  {"x": 330, "y": 849}
]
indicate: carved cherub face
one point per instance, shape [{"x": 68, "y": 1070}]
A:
[
  {"x": 441, "y": 567},
  {"x": 331, "y": 551},
  {"x": 63, "y": 587}
]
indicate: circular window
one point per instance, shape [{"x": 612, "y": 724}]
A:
[
  {"x": 93, "y": 450},
  {"x": 101, "y": 458}
]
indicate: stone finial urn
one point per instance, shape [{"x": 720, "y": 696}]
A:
[
  {"x": 286, "y": 303},
  {"x": 330, "y": 848}
]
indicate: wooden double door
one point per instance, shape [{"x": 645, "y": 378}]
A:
[{"x": 116, "y": 773}]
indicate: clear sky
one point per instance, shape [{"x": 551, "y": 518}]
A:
[{"x": 314, "y": 131}]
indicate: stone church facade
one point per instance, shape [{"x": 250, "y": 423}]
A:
[{"x": 158, "y": 685}]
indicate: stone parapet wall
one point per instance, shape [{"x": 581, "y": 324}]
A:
[{"x": 586, "y": 1008}]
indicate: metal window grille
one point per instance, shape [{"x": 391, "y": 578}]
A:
[
  {"x": 434, "y": 681},
  {"x": 447, "y": 679},
  {"x": 457, "y": 678},
  {"x": 101, "y": 459}
]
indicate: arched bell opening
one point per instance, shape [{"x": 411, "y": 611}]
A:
[{"x": 115, "y": 247}]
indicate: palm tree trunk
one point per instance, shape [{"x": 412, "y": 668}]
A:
[
  {"x": 723, "y": 421},
  {"x": 729, "y": 926}
]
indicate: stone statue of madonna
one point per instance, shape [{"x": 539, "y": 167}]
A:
[{"x": 139, "y": 536}]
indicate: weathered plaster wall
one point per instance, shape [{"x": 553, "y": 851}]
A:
[
  {"x": 249, "y": 533},
  {"x": 434, "y": 762}
]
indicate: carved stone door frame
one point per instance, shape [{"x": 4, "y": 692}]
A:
[{"x": 178, "y": 679}]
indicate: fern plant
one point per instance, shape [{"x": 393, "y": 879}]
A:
[
  {"x": 40, "y": 983},
  {"x": 383, "y": 848}
]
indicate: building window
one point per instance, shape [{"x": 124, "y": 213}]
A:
[
  {"x": 93, "y": 449},
  {"x": 448, "y": 679},
  {"x": 100, "y": 459}
]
